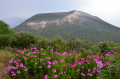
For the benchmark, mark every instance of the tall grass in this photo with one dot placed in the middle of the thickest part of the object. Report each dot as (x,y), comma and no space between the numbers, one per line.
(4,58)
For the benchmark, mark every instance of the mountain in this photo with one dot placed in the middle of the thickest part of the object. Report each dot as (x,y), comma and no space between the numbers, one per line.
(72,24)
(14,21)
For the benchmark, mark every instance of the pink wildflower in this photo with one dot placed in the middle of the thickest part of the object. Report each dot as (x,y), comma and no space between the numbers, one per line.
(54,70)
(82,74)
(99,64)
(25,69)
(22,52)
(55,62)
(65,65)
(13,74)
(90,74)
(44,63)
(18,60)
(43,54)
(71,66)
(48,57)
(21,64)
(95,60)
(61,72)
(64,53)
(74,65)
(82,62)
(93,71)
(88,70)
(88,62)
(46,76)
(40,67)
(55,76)
(98,70)
(79,63)
(35,63)
(49,62)
(18,72)
(41,48)
(82,59)
(51,50)
(49,66)
(78,69)
(88,56)
(82,67)
(10,61)
(62,60)
(94,68)
(40,59)
(75,59)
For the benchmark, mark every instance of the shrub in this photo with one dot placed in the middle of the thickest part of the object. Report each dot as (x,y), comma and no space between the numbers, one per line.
(113,70)
(48,64)
(42,43)
(107,46)
(22,40)
(74,44)
(4,40)
(58,44)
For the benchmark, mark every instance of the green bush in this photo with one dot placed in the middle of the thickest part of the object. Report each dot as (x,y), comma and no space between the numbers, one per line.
(58,44)
(42,43)
(78,45)
(22,40)
(4,40)
(74,44)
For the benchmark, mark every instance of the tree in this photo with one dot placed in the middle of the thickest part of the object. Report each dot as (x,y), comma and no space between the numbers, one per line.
(4,28)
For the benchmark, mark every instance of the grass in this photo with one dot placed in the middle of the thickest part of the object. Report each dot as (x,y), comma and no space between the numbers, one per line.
(4,58)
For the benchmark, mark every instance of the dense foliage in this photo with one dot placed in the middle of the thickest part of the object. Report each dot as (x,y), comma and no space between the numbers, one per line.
(21,40)
(4,28)
(5,34)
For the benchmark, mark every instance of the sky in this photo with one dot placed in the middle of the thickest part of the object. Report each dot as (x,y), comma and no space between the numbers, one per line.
(107,10)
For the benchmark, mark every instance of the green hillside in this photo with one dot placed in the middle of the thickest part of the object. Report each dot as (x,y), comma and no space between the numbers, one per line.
(73,24)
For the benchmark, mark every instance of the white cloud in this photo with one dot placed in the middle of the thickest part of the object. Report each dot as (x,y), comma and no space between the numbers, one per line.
(108,10)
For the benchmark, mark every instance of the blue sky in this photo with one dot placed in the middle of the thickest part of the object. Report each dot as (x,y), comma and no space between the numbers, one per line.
(108,10)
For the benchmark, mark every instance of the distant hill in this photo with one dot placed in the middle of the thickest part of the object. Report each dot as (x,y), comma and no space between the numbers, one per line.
(15,21)
(73,24)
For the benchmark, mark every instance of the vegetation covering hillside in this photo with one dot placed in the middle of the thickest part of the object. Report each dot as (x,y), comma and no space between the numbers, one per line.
(24,56)
(67,25)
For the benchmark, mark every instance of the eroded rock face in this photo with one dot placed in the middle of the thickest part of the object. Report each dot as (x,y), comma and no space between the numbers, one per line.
(37,25)
(71,18)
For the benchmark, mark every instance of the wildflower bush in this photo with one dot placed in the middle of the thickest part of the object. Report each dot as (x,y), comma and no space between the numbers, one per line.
(107,46)
(113,70)
(49,65)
